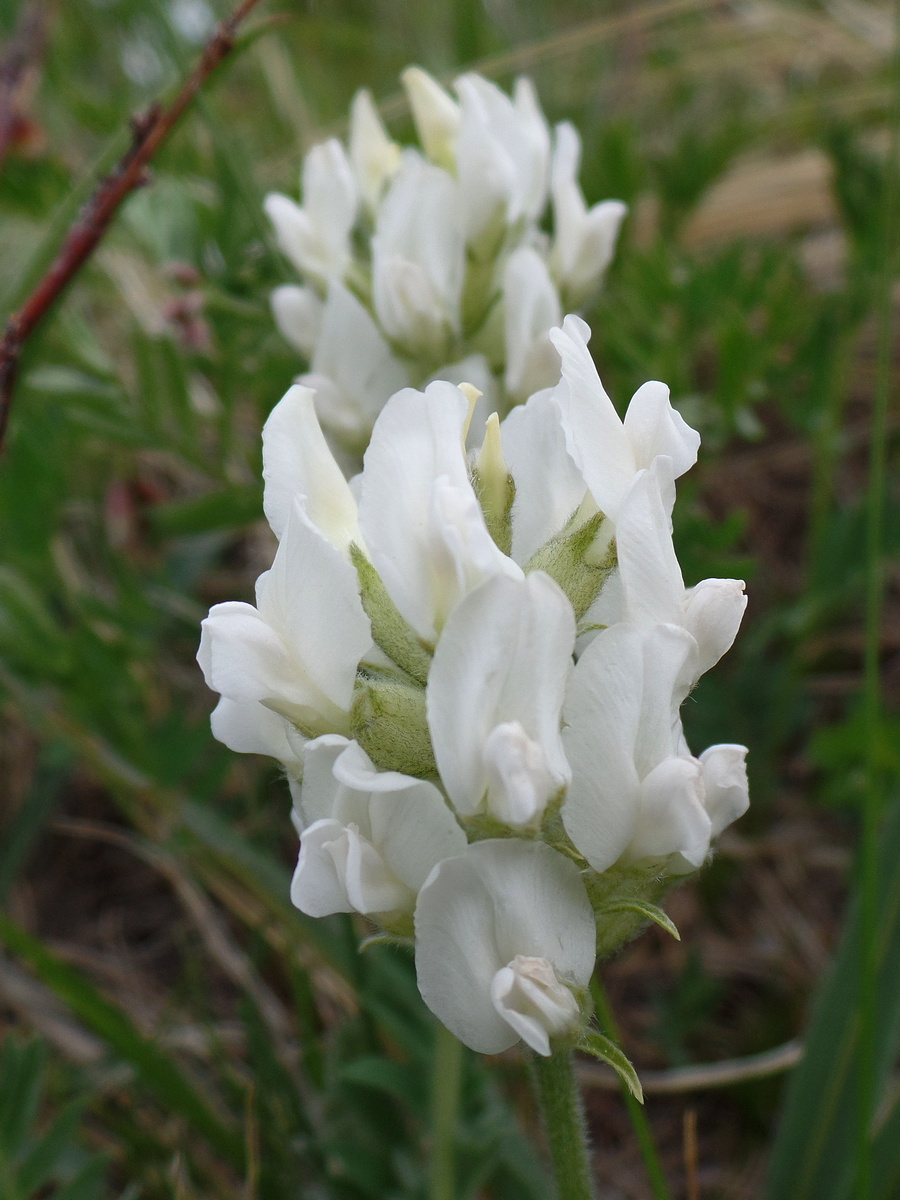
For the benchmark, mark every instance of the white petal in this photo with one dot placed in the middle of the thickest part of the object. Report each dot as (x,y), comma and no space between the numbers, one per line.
(355,358)
(549,486)
(532,309)
(504,656)
(673,819)
(317,888)
(319,790)
(374,156)
(371,885)
(477,912)
(250,728)
(297,463)
(435,113)
(601,721)
(244,658)
(530,998)
(310,596)
(670,659)
(417,259)
(519,781)
(712,613)
(655,427)
(725,779)
(421,521)
(298,315)
(296,237)
(651,577)
(595,437)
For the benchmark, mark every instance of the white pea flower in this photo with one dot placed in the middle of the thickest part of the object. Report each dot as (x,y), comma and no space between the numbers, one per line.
(653,590)
(423,526)
(353,372)
(316,237)
(248,727)
(444,248)
(584,239)
(505,945)
(417,260)
(531,309)
(636,791)
(368,838)
(502,155)
(298,315)
(494,698)
(436,114)
(374,156)
(297,651)
(607,450)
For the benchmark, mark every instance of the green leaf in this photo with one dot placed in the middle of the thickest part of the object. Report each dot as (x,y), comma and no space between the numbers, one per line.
(228,508)
(607,1051)
(643,909)
(400,1080)
(161,1074)
(812,1157)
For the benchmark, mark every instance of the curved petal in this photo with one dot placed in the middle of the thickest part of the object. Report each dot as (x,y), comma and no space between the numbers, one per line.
(504,658)
(601,719)
(317,888)
(436,115)
(477,912)
(423,527)
(297,464)
(650,574)
(374,156)
(655,427)
(310,596)
(531,307)
(713,611)
(672,817)
(319,789)
(248,727)
(298,315)
(549,486)
(595,437)
(725,781)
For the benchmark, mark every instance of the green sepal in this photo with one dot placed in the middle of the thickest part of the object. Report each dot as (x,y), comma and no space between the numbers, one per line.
(391,631)
(642,908)
(595,1043)
(619,897)
(497,509)
(387,718)
(566,559)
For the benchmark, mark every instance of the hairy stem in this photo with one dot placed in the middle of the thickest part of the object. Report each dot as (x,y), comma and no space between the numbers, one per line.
(564,1122)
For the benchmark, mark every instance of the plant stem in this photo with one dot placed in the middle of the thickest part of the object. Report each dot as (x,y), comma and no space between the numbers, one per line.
(868,1068)
(639,1122)
(445,1090)
(564,1122)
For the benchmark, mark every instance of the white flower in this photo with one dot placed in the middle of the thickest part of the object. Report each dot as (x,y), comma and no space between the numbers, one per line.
(417,260)
(297,651)
(316,237)
(436,114)
(636,791)
(353,372)
(584,239)
(423,527)
(298,315)
(494,698)
(531,309)
(248,727)
(505,944)
(653,590)
(502,155)
(369,838)
(607,450)
(374,156)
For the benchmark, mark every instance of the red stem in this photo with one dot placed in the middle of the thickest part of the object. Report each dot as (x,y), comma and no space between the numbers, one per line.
(149,131)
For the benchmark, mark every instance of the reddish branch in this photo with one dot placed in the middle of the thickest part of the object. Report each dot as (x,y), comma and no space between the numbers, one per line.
(17,69)
(148,132)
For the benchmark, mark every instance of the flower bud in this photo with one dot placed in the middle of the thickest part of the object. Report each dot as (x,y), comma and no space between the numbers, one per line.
(530,997)
(387,719)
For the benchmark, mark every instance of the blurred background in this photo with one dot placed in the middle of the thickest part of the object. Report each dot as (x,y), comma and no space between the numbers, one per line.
(173,1028)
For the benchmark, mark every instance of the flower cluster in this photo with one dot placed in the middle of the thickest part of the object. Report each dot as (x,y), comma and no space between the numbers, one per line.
(471,665)
(432,264)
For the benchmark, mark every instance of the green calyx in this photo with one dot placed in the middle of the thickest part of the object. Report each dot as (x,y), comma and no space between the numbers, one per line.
(390,631)
(387,718)
(494,486)
(625,900)
(571,559)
